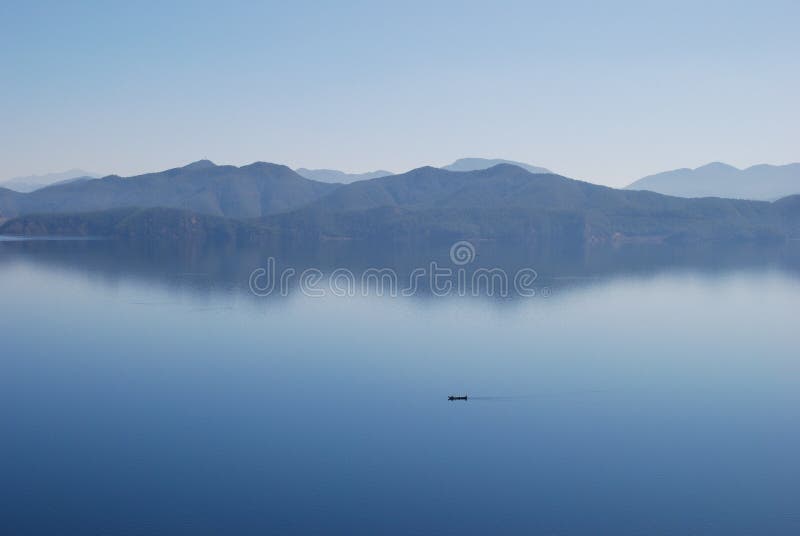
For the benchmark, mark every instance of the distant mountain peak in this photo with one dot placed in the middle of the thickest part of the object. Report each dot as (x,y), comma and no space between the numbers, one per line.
(200,164)
(265,166)
(424,169)
(717,166)
(504,166)
(474,164)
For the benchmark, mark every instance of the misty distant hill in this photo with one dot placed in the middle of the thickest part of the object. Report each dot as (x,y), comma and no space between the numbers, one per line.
(474,164)
(250,191)
(764,182)
(34,182)
(334,175)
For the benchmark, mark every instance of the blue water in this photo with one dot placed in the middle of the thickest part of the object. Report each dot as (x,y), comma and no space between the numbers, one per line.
(656,403)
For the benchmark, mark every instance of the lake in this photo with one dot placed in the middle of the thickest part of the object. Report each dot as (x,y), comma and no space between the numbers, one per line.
(147,390)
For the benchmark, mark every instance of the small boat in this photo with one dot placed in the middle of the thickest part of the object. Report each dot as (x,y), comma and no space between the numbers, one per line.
(454,397)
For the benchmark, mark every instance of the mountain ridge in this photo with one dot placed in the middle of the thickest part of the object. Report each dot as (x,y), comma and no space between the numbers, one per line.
(764,182)
(249,191)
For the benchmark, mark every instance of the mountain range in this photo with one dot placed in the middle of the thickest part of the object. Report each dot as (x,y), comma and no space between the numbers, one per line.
(761,182)
(505,202)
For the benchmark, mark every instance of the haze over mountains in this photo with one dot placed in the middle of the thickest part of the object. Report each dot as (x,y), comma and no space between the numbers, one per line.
(462,164)
(474,164)
(334,175)
(504,202)
(34,182)
(763,182)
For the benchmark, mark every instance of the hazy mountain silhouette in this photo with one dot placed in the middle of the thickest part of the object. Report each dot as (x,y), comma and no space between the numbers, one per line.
(462,164)
(334,175)
(34,182)
(473,164)
(763,182)
(249,191)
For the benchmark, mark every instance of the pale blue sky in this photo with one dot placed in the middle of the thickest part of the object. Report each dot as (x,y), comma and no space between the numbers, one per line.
(605,93)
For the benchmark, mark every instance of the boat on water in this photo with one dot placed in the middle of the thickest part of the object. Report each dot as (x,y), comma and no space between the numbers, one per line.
(455,397)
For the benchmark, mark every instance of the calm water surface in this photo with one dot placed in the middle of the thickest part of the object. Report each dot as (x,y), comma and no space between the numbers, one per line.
(163,398)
